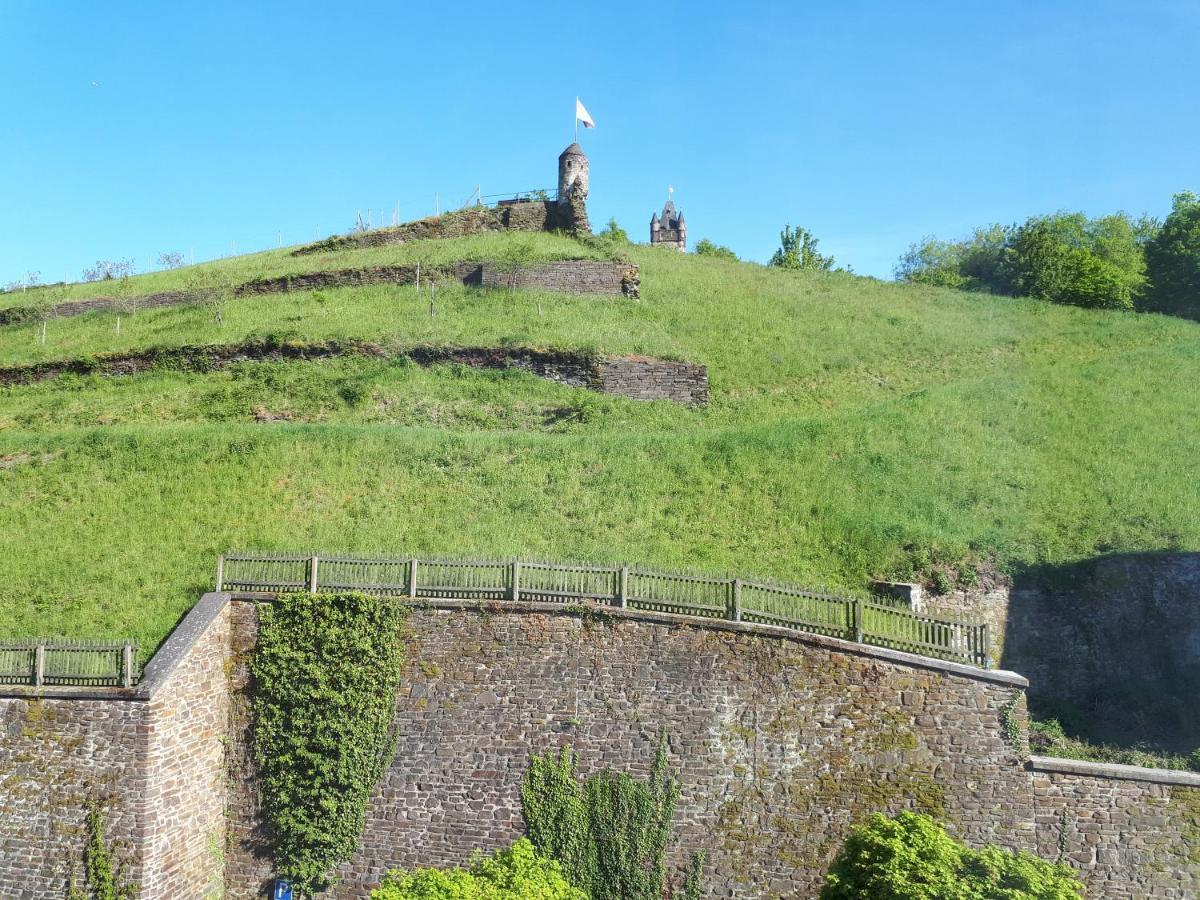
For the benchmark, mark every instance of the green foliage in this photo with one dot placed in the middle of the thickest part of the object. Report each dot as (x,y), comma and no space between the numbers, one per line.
(103,877)
(326,670)
(518,873)
(911,857)
(1049,738)
(1173,259)
(705,247)
(1065,258)
(798,250)
(611,832)
(613,233)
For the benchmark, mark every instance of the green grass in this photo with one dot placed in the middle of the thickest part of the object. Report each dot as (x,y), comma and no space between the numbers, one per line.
(273,263)
(857,429)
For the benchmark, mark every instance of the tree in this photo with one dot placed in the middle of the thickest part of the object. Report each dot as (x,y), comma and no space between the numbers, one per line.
(705,247)
(1056,258)
(172,260)
(798,250)
(911,857)
(1173,259)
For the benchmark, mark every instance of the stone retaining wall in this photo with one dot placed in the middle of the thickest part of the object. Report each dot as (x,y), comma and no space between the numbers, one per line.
(571,276)
(638,378)
(643,378)
(781,741)
(152,757)
(1131,833)
(527,215)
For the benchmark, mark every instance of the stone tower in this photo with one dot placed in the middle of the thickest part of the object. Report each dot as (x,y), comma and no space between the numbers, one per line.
(573,190)
(669,228)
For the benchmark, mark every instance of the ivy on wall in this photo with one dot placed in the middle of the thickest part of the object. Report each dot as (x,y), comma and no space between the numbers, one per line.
(326,670)
(103,874)
(610,832)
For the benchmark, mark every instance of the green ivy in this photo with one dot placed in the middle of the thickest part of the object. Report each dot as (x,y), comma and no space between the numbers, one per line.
(103,876)
(610,833)
(326,671)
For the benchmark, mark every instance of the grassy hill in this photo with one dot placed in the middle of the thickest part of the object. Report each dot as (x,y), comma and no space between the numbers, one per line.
(857,428)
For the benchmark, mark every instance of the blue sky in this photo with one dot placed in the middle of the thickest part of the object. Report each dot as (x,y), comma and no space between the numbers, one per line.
(869,123)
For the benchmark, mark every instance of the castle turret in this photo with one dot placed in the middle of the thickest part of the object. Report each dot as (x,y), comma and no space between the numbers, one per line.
(573,190)
(669,228)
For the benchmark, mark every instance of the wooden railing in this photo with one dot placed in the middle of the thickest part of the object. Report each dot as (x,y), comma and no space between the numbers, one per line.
(42,663)
(868,621)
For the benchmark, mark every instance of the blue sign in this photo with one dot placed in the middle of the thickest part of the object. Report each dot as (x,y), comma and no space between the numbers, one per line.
(283,890)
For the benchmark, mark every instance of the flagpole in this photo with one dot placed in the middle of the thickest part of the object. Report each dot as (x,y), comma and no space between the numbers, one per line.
(577,120)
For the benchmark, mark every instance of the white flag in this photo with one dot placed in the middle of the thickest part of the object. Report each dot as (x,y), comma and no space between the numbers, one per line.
(582,115)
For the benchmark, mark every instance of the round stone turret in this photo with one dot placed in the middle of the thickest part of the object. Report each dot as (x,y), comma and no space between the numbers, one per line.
(572,174)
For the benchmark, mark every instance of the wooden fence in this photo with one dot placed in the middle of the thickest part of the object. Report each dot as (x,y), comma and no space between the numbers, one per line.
(871,621)
(59,662)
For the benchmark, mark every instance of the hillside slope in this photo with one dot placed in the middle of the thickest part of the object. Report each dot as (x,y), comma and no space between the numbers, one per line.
(856,428)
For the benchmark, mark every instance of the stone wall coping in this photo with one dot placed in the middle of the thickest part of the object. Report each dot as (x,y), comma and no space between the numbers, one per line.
(994,676)
(1112,770)
(165,660)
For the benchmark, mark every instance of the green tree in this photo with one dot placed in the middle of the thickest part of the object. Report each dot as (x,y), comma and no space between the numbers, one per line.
(798,250)
(705,247)
(911,857)
(1173,259)
(518,873)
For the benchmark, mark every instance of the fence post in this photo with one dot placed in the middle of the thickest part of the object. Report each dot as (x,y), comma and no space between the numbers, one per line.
(858,619)
(39,665)
(312,575)
(735,607)
(516,580)
(221,572)
(127,666)
(623,588)
(412,578)
(985,640)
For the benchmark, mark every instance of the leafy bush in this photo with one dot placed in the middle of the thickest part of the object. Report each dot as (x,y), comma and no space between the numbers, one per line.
(1049,738)
(613,233)
(611,832)
(705,247)
(326,670)
(1065,258)
(1173,259)
(798,250)
(911,857)
(518,873)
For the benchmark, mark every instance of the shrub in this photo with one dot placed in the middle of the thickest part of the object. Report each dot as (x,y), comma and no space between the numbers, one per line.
(705,247)
(911,857)
(518,873)
(108,269)
(613,233)
(798,250)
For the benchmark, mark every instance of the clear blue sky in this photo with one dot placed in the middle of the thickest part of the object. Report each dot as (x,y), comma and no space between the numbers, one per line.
(130,129)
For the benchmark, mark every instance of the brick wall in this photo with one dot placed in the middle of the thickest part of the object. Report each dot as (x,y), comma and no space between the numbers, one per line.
(781,743)
(1131,833)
